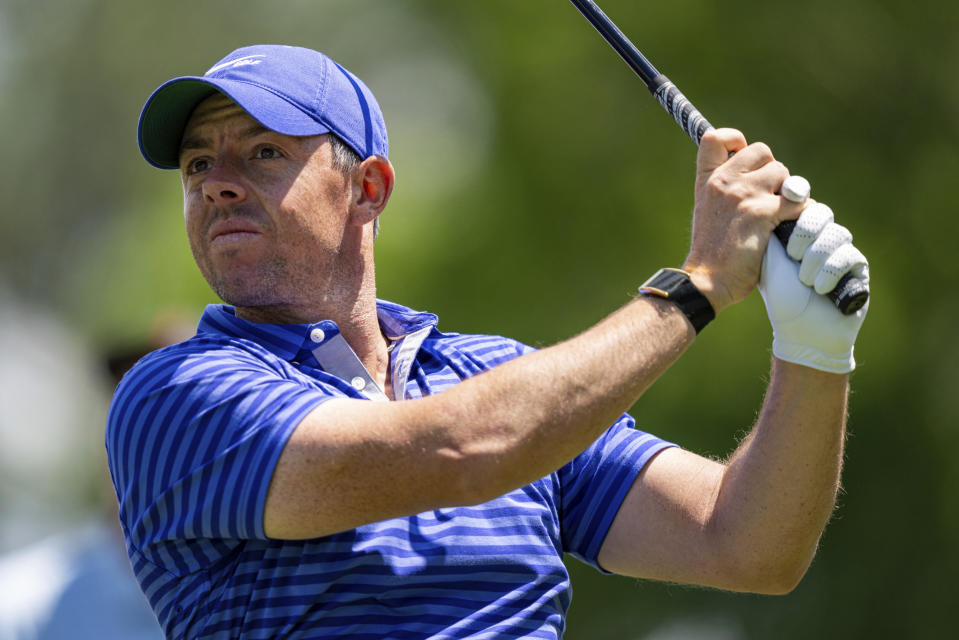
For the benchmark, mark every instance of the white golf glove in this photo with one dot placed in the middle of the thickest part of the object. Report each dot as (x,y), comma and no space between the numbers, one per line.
(808,329)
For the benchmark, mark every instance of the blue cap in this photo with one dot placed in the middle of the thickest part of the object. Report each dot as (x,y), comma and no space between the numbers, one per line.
(290,90)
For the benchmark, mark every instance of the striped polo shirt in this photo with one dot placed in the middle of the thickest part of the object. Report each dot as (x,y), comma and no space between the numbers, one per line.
(193,435)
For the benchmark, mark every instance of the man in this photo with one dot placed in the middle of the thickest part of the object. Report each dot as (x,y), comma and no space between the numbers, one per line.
(318,463)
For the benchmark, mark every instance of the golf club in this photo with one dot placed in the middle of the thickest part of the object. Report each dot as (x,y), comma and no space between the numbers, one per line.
(850,293)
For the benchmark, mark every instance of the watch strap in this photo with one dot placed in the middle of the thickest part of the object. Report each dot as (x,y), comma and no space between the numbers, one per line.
(674,285)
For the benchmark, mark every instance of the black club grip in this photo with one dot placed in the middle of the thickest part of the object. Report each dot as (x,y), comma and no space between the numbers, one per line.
(677,105)
(849,294)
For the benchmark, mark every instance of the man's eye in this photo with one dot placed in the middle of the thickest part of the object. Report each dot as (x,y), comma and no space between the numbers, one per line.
(198,165)
(267,153)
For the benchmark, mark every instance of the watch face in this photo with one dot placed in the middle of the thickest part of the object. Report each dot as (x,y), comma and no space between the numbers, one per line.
(664,282)
(675,286)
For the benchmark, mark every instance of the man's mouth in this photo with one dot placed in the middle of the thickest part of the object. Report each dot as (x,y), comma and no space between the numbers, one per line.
(232,231)
(232,237)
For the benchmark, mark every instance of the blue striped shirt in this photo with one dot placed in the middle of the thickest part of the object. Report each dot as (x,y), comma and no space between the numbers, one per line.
(194,433)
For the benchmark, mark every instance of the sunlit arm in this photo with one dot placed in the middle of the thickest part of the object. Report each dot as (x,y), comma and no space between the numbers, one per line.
(753,523)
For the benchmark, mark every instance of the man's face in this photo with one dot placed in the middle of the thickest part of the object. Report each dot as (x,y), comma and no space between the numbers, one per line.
(265,212)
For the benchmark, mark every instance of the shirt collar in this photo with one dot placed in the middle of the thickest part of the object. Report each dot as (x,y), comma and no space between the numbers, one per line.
(287,340)
(398,321)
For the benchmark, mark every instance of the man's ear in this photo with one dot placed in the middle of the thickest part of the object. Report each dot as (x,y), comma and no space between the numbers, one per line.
(372,185)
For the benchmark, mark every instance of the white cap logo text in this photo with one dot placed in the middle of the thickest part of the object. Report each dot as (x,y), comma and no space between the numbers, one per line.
(239,62)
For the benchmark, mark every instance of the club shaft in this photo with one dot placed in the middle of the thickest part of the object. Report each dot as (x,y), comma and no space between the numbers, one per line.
(618,41)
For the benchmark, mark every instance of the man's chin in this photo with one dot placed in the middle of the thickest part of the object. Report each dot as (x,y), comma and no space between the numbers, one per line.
(247,287)
(243,295)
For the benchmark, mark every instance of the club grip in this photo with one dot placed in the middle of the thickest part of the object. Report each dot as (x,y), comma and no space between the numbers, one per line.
(677,105)
(849,294)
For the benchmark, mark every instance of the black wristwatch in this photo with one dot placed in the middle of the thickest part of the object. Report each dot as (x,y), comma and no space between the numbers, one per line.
(674,285)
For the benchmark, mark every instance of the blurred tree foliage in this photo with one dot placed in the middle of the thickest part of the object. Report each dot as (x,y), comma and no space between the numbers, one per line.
(538,184)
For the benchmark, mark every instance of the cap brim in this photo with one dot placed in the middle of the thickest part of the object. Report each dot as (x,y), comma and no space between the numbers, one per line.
(168,109)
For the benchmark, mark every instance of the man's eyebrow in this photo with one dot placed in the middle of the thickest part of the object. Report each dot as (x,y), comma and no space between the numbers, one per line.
(201,142)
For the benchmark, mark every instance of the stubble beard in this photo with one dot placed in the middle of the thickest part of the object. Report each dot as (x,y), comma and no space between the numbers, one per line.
(277,288)
(257,286)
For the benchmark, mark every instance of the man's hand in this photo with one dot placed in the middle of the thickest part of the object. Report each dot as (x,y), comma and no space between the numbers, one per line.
(807,328)
(737,207)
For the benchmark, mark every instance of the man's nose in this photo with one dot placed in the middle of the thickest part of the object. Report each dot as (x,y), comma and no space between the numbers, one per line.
(223,186)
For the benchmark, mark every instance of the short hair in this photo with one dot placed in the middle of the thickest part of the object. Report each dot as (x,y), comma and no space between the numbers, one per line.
(345,159)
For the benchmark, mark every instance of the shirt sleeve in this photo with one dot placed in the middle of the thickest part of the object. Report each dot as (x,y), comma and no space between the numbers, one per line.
(193,436)
(595,483)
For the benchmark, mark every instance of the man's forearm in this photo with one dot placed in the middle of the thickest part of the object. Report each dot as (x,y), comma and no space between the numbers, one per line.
(534,414)
(780,486)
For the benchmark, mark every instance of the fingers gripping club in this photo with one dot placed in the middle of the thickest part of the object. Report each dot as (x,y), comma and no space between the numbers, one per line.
(851,293)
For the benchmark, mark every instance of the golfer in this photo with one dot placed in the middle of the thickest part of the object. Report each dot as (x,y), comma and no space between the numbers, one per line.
(316,462)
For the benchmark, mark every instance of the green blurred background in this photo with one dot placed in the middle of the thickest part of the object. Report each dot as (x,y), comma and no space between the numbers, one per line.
(538,184)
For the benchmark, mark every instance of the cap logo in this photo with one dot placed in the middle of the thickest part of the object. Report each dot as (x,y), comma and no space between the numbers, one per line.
(239,62)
